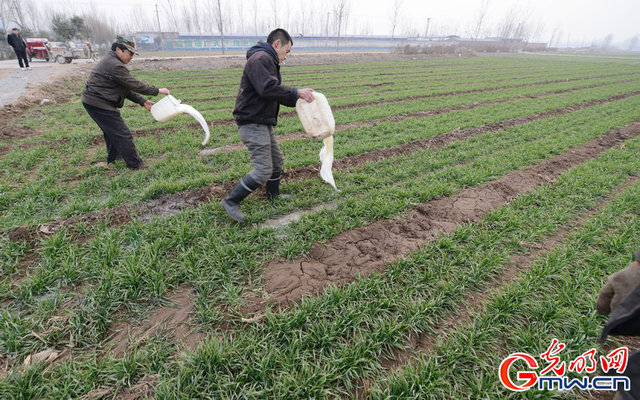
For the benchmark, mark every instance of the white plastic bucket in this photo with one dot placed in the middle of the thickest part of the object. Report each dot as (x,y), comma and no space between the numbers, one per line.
(169,107)
(316,117)
(166,109)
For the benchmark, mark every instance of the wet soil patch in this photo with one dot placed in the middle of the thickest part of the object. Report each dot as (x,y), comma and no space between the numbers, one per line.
(475,301)
(370,248)
(173,319)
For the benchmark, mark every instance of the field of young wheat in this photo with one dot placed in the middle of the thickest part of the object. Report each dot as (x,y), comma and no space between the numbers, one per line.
(483,202)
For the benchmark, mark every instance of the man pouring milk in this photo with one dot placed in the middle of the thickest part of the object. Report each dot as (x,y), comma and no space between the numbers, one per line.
(256,113)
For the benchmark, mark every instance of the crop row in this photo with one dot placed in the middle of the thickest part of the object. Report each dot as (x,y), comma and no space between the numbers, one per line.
(39,200)
(327,345)
(133,267)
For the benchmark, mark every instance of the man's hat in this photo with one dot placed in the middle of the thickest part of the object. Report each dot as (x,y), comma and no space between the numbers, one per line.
(128,43)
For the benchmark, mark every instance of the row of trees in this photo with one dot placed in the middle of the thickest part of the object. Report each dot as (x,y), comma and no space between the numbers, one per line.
(33,21)
(254,17)
(246,17)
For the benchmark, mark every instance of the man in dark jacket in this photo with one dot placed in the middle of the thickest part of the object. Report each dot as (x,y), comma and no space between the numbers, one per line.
(109,84)
(256,113)
(20,47)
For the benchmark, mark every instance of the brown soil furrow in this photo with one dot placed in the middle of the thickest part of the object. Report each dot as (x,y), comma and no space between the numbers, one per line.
(370,248)
(474,302)
(173,203)
(174,319)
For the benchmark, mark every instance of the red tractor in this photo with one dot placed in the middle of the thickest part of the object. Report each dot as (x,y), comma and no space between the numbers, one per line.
(38,48)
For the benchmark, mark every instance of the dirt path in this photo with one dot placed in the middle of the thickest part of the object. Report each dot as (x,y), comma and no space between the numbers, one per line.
(16,83)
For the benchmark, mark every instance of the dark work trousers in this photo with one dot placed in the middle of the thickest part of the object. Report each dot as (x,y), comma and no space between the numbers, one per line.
(22,55)
(117,136)
(265,154)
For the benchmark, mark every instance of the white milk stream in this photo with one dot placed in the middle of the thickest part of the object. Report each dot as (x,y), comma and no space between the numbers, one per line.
(317,120)
(169,107)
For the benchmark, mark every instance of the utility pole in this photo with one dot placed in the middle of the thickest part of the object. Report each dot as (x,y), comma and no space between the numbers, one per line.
(159,29)
(426,35)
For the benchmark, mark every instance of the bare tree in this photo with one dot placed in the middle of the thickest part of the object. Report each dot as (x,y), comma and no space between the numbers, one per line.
(186,18)
(172,14)
(240,7)
(394,12)
(633,42)
(196,13)
(557,32)
(606,43)
(303,17)
(341,14)
(17,14)
(220,22)
(274,7)
(4,14)
(101,31)
(482,12)
(255,16)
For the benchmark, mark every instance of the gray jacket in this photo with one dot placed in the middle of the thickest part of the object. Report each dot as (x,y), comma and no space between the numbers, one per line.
(111,82)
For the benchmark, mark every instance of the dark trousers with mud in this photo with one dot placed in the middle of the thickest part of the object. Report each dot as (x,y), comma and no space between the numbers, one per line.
(265,154)
(22,56)
(117,136)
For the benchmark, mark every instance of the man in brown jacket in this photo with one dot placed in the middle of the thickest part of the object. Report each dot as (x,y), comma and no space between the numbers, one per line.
(109,84)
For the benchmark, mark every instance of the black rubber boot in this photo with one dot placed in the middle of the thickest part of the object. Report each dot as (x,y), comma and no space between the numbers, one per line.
(231,204)
(273,189)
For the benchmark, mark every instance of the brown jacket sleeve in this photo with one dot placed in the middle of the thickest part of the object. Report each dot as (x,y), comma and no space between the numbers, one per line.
(122,76)
(603,305)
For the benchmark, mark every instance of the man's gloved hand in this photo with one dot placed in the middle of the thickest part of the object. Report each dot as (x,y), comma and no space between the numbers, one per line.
(618,286)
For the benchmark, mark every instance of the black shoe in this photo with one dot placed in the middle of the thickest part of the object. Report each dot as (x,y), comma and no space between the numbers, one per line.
(273,190)
(233,210)
(281,196)
(139,166)
(231,204)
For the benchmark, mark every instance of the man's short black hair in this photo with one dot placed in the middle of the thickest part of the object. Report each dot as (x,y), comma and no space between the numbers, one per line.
(15,29)
(281,34)
(120,46)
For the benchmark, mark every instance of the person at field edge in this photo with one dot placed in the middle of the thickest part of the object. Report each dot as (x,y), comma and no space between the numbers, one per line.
(618,286)
(109,83)
(256,113)
(19,47)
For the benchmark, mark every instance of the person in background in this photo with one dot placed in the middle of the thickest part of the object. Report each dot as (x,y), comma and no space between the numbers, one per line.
(256,113)
(109,84)
(19,47)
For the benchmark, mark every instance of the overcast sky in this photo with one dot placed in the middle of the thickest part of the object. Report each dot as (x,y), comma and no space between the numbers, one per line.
(577,21)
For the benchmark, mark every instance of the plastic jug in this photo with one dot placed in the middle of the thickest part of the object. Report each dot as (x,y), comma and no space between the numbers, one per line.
(169,107)
(316,117)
